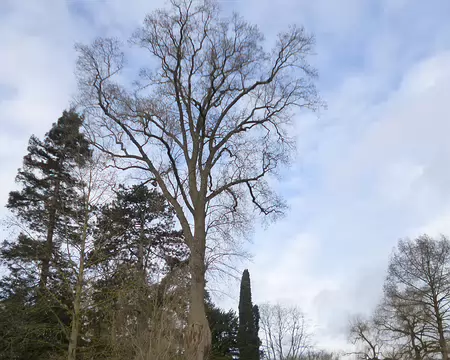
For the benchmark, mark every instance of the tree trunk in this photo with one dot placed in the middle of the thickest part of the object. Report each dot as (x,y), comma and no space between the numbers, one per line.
(440,329)
(76,317)
(141,282)
(45,270)
(414,346)
(198,335)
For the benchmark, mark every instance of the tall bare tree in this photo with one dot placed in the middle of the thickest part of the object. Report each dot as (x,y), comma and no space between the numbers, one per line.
(285,332)
(206,126)
(419,276)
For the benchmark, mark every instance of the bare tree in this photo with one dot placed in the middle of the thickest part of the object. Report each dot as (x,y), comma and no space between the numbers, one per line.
(419,276)
(94,186)
(314,354)
(365,335)
(206,126)
(401,325)
(285,332)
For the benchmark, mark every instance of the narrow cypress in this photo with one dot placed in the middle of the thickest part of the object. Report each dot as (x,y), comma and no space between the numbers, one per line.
(248,339)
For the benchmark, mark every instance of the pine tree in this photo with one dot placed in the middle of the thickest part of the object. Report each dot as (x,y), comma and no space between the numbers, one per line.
(39,278)
(45,200)
(248,339)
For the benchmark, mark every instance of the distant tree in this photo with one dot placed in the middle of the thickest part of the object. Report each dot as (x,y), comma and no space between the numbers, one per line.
(248,338)
(285,332)
(314,354)
(137,228)
(419,278)
(46,197)
(401,326)
(366,336)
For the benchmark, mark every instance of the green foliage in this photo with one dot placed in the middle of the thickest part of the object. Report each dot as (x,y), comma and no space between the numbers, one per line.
(248,339)
(134,243)
(224,328)
(35,294)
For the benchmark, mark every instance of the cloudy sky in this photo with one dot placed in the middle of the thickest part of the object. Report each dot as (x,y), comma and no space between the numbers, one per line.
(372,168)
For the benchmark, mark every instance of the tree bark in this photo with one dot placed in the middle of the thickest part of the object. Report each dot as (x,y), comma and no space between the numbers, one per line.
(440,329)
(45,270)
(198,335)
(416,350)
(141,281)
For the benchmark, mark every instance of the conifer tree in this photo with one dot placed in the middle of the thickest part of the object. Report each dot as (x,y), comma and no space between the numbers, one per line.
(248,339)
(224,328)
(135,247)
(45,201)
(38,280)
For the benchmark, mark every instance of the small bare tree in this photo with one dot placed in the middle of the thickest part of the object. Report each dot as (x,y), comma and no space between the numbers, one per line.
(366,336)
(285,332)
(207,126)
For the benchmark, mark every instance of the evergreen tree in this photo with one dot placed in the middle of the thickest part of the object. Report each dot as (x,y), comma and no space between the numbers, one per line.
(135,246)
(256,318)
(137,229)
(46,198)
(38,280)
(224,328)
(248,339)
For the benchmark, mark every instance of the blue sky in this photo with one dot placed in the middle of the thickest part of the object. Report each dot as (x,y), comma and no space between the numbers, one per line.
(371,168)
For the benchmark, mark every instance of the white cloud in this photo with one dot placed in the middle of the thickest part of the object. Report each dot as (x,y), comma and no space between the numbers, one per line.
(382,173)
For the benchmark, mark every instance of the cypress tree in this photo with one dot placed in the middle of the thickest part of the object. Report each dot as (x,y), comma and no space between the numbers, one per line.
(248,339)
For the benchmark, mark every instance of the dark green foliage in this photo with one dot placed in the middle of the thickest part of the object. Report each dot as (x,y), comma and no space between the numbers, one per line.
(137,229)
(44,204)
(35,295)
(248,339)
(224,328)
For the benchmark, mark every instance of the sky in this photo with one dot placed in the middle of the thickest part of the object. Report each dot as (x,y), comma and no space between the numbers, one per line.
(371,168)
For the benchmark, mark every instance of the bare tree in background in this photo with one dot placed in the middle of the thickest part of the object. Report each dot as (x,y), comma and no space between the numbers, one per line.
(206,126)
(419,276)
(401,324)
(314,354)
(285,332)
(364,334)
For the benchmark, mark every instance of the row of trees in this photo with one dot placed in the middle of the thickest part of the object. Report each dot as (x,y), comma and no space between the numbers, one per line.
(269,331)
(413,319)
(91,262)
(96,269)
